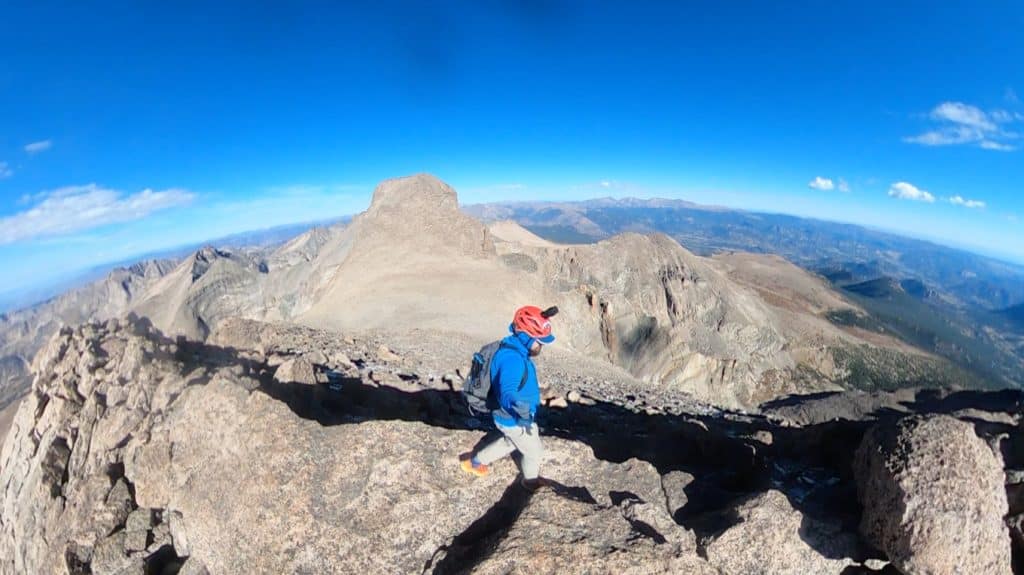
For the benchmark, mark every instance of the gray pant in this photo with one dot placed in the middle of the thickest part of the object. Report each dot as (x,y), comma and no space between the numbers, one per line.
(516,438)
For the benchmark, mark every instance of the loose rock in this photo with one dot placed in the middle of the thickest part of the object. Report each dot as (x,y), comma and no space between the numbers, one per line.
(296,370)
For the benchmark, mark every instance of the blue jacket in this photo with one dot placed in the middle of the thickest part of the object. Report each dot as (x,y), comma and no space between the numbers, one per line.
(516,406)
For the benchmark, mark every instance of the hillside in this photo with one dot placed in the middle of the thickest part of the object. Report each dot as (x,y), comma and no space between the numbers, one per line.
(985,357)
(969,279)
(951,294)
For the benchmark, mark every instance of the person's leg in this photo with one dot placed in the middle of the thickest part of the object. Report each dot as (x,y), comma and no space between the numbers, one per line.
(527,441)
(496,449)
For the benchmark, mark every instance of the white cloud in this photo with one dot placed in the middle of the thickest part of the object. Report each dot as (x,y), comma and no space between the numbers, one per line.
(1011,96)
(1012,218)
(907,191)
(5,171)
(963,114)
(41,146)
(820,183)
(960,201)
(606,184)
(960,123)
(990,145)
(843,186)
(77,208)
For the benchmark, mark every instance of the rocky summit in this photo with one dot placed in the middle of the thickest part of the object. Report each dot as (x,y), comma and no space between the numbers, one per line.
(297,409)
(273,448)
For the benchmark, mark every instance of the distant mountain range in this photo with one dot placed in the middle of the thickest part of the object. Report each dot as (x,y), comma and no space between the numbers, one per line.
(255,239)
(826,247)
(959,305)
(731,330)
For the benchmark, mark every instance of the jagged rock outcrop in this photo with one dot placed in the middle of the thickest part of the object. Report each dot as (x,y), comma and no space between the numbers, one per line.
(668,317)
(67,502)
(209,286)
(138,453)
(933,497)
(24,332)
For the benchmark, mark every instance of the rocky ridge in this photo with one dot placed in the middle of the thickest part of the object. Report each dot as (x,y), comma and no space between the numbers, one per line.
(682,323)
(281,449)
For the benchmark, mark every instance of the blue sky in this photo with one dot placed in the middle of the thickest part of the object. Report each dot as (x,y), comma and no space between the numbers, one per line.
(147,125)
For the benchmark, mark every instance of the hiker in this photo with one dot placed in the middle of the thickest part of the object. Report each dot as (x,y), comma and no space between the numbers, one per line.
(514,394)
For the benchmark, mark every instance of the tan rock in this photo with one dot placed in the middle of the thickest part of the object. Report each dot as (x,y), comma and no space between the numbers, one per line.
(558,403)
(193,566)
(386,355)
(341,360)
(674,484)
(296,370)
(316,357)
(933,497)
(772,538)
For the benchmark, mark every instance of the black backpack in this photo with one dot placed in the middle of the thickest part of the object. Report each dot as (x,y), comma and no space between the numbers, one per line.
(477,388)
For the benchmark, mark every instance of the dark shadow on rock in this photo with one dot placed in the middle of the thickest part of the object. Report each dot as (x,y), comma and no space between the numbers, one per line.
(1016,526)
(620,497)
(791,400)
(858,570)
(942,401)
(476,543)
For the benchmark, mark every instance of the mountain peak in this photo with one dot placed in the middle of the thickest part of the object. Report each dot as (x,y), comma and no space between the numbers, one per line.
(419,194)
(421,214)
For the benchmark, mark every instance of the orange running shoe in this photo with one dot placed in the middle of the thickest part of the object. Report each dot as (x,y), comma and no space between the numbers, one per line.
(479,469)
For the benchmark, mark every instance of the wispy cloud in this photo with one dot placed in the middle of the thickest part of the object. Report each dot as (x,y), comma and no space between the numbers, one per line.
(77,208)
(843,186)
(1011,96)
(605,185)
(1012,218)
(820,183)
(962,124)
(960,201)
(36,147)
(5,170)
(990,145)
(908,191)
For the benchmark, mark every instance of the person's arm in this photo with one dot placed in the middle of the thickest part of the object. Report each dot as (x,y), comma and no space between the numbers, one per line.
(510,376)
